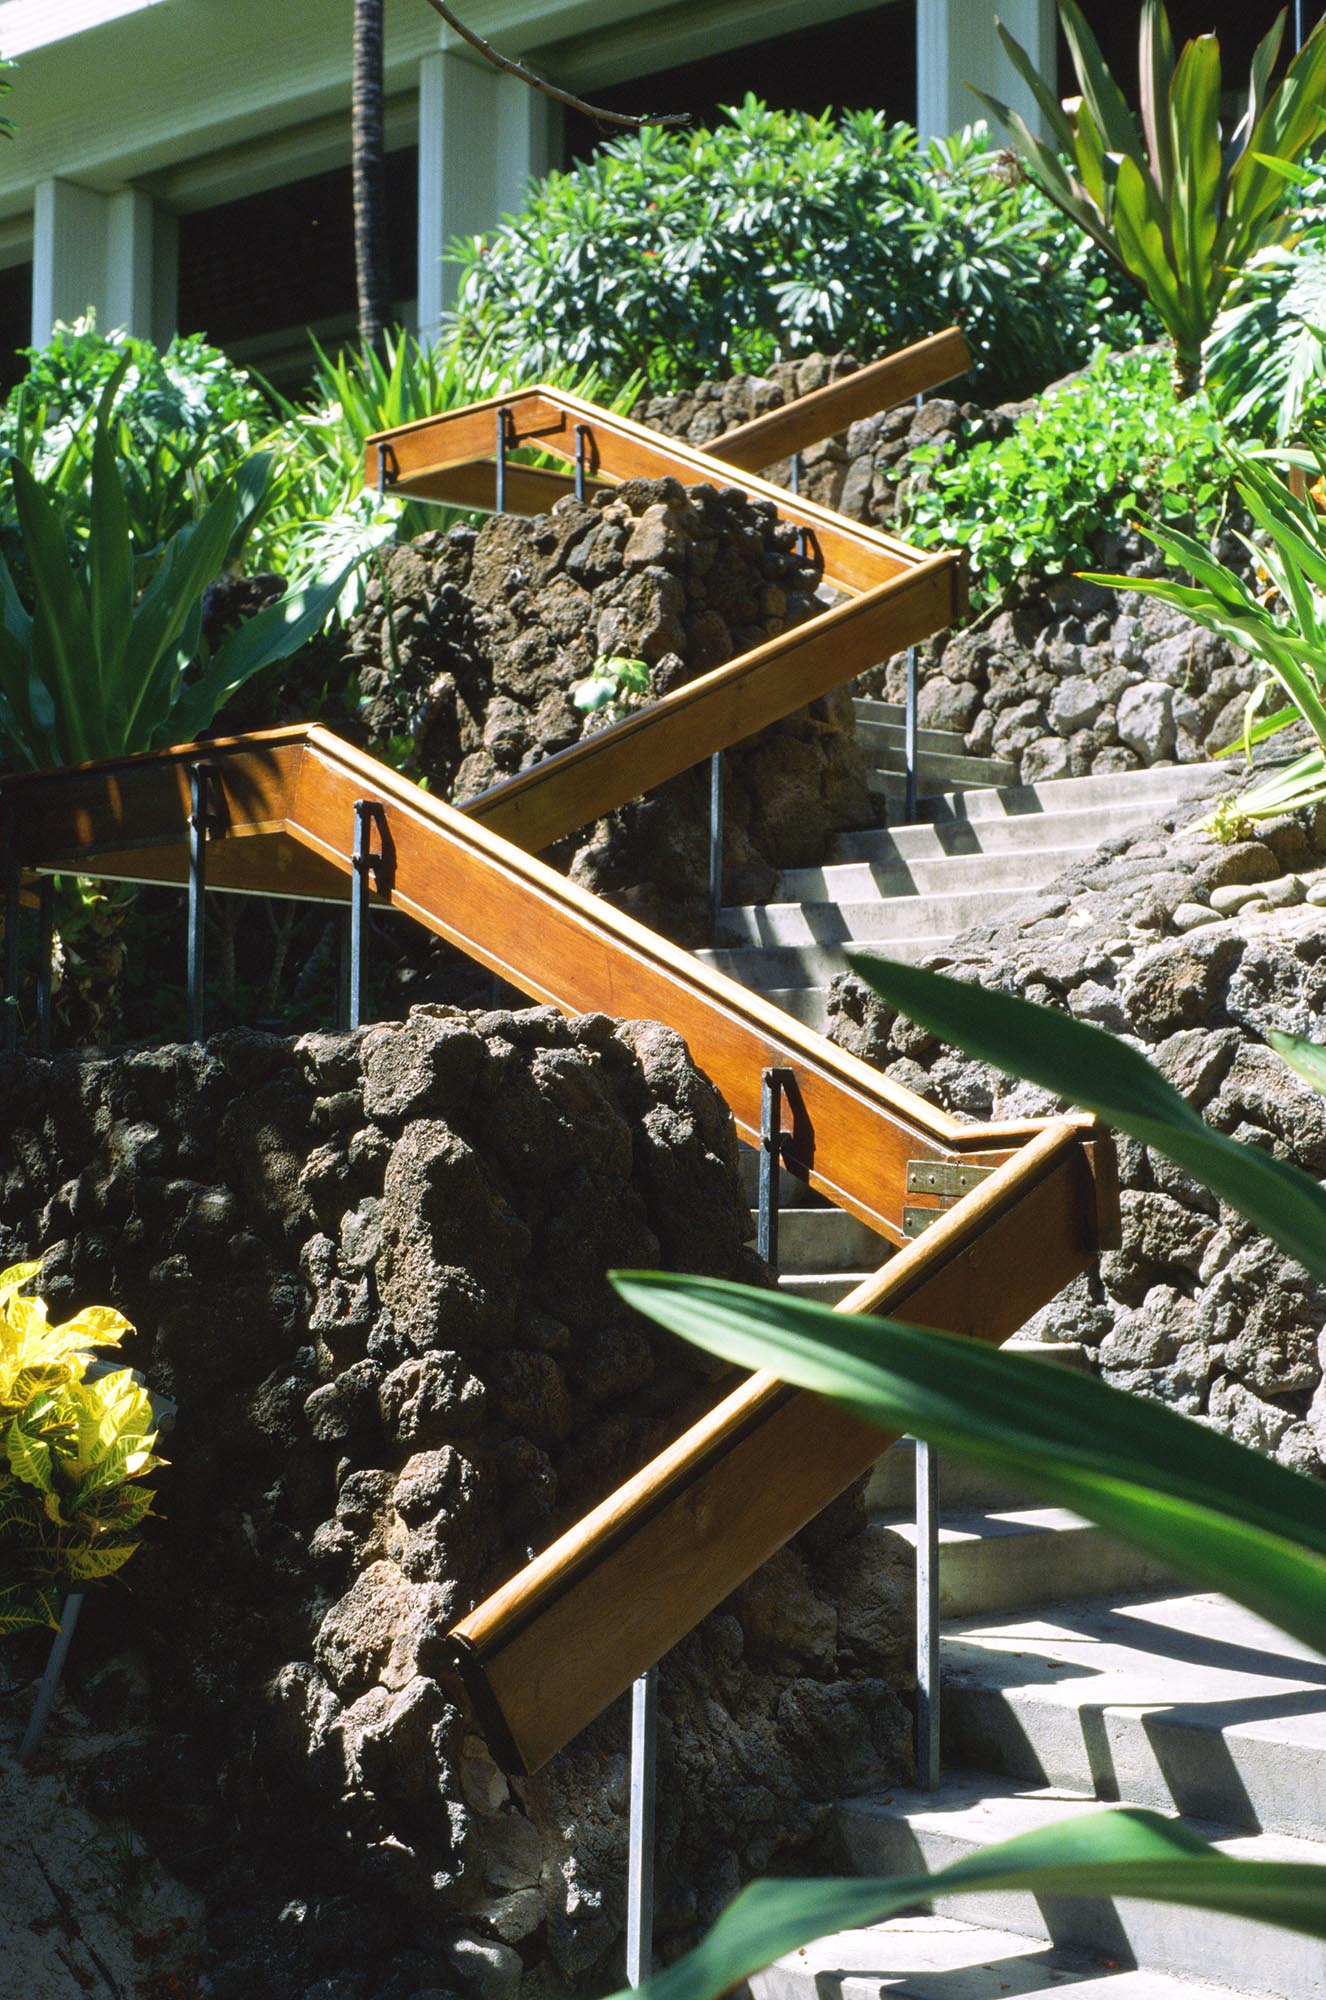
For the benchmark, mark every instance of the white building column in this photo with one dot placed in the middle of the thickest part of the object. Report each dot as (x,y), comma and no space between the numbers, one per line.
(482,138)
(114,253)
(956,44)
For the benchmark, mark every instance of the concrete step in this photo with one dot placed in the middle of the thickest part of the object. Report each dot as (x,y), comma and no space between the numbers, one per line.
(1009,833)
(892,1488)
(907,1833)
(936,776)
(811,1240)
(1159,785)
(826,1288)
(1183,1701)
(957,908)
(1019,868)
(941,1958)
(995,1559)
(885,722)
(780,970)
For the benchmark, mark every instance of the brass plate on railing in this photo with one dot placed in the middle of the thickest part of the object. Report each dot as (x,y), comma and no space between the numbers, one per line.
(949,1179)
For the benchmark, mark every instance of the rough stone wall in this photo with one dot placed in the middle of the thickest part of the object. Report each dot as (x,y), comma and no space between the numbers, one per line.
(469,645)
(1194,950)
(369,1270)
(1064,678)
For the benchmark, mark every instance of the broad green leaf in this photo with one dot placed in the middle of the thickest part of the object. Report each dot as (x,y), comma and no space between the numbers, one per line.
(29,1459)
(1108,105)
(1188,1495)
(62,628)
(1155,64)
(1105,1854)
(1307,1058)
(272,634)
(1195,138)
(1104,1075)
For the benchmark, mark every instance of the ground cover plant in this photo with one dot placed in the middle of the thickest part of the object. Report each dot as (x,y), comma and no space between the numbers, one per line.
(1107,446)
(1266,358)
(716,252)
(1216,1510)
(1164,194)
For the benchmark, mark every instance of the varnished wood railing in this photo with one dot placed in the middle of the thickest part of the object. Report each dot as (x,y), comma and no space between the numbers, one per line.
(287,801)
(554,1645)
(825,412)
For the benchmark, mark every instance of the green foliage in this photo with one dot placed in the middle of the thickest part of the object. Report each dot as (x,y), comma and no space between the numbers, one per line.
(1107,447)
(323,513)
(70,1450)
(1174,205)
(1266,358)
(1189,1495)
(99,662)
(689,255)
(1284,627)
(615,686)
(184,419)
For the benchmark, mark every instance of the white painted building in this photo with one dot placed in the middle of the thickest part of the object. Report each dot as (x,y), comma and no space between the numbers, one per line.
(185,162)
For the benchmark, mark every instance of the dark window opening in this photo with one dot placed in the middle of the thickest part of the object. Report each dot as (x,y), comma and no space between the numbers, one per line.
(256,275)
(15,323)
(866,62)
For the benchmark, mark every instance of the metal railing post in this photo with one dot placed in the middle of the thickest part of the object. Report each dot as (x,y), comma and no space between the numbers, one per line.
(202,822)
(715,844)
(45,963)
(774,1085)
(13,919)
(640,1835)
(927,1617)
(50,1680)
(500,460)
(368,871)
(909,732)
(582,435)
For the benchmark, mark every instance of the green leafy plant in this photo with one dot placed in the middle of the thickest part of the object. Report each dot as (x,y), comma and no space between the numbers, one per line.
(1266,358)
(71,1452)
(615,686)
(1174,206)
(1282,624)
(100,664)
(184,420)
(1214,1509)
(1107,446)
(687,255)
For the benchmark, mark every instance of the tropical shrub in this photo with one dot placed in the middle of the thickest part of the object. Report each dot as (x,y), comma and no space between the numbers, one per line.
(1266,358)
(71,1452)
(99,662)
(1106,447)
(687,255)
(1175,206)
(1215,1510)
(1279,617)
(184,419)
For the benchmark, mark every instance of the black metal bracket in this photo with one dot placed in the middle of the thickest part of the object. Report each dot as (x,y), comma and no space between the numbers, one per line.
(775,1085)
(505,440)
(388,469)
(584,438)
(370,870)
(207,821)
(715,844)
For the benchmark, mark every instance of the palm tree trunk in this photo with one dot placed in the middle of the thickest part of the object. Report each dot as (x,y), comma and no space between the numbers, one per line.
(370,175)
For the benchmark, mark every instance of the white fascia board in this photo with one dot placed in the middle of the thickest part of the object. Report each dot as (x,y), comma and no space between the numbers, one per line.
(668,36)
(28,25)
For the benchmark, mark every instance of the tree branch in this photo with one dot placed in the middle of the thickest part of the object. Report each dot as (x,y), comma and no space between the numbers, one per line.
(594,111)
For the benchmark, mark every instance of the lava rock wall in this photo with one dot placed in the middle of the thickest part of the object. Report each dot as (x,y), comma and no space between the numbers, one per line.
(1193,950)
(369,1271)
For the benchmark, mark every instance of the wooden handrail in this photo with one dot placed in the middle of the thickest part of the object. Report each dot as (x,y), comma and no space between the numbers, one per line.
(825,412)
(852,1131)
(646,1564)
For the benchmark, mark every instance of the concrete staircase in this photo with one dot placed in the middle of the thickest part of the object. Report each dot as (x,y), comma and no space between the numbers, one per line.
(979,845)
(1053,1701)
(1076,1670)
